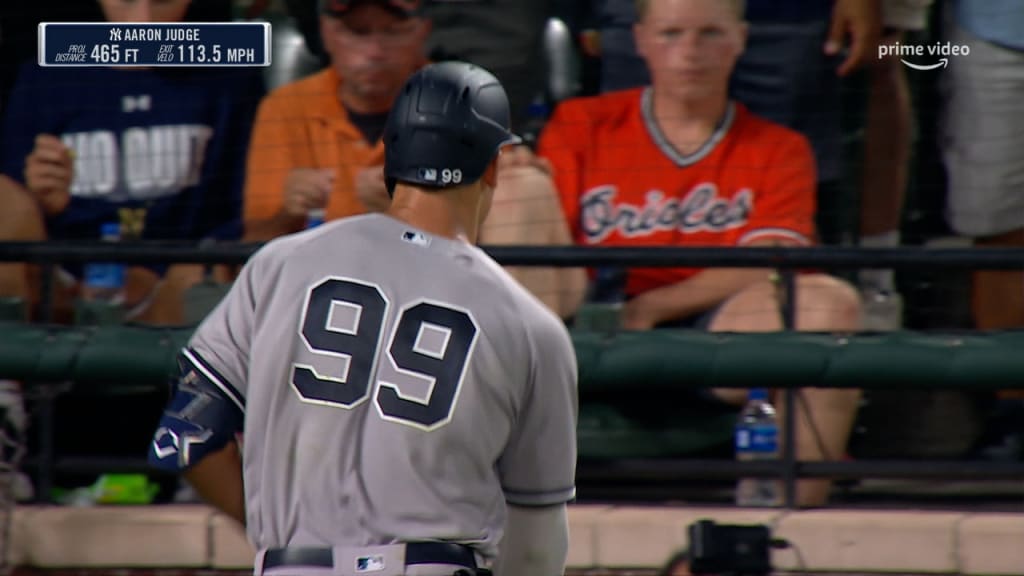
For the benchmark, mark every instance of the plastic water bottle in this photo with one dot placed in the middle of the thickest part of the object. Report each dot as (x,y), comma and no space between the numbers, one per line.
(536,117)
(757,438)
(883,310)
(104,281)
(315,217)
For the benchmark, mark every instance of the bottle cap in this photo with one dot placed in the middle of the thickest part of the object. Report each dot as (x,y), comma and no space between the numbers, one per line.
(537,109)
(758,394)
(110,229)
(315,217)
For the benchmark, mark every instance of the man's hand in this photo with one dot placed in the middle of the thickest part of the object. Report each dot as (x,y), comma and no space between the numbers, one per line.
(516,156)
(370,189)
(306,189)
(861,20)
(48,173)
(590,43)
(639,314)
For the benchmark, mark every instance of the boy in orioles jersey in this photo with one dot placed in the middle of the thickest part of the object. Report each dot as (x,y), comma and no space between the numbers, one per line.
(679,164)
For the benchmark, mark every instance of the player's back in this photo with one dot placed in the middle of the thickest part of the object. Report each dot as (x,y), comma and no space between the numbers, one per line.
(389,372)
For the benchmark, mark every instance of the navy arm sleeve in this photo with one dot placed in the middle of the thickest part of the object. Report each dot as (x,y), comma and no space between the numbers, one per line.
(201,417)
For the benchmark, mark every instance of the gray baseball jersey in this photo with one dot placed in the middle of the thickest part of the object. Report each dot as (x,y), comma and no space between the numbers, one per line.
(396,386)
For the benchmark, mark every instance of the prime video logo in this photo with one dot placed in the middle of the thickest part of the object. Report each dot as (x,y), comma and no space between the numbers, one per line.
(937,50)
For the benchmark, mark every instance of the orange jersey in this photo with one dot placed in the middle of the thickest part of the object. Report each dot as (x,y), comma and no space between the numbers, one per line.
(303,125)
(622,183)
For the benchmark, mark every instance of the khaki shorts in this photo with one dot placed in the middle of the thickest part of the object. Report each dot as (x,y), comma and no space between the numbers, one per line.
(983,136)
(905,14)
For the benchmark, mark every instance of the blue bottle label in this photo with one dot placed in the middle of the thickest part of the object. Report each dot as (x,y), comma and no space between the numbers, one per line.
(104,275)
(761,439)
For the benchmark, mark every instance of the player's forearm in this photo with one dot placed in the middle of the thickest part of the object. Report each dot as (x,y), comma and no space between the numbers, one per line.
(536,542)
(217,479)
(699,293)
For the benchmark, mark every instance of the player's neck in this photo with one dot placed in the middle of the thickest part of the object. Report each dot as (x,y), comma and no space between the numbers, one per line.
(440,214)
(688,123)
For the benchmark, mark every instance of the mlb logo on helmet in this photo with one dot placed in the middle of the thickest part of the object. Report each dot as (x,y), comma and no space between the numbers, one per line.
(428,174)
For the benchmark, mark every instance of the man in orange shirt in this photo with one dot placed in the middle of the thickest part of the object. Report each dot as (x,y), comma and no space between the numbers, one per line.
(677,163)
(316,145)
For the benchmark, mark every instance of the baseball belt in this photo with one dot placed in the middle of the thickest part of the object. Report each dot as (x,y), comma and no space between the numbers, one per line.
(415,553)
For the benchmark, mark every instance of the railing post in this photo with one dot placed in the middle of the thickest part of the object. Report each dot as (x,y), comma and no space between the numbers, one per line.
(46,289)
(45,396)
(787,308)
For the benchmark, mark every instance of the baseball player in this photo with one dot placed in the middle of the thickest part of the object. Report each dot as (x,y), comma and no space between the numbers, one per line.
(406,407)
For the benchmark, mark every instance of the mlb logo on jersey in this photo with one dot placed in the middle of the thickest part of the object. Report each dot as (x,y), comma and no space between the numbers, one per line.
(369,563)
(417,238)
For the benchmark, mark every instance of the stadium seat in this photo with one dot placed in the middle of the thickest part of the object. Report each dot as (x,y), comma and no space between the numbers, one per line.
(89,313)
(13,310)
(563,62)
(292,60)
(202,298)
(605,432)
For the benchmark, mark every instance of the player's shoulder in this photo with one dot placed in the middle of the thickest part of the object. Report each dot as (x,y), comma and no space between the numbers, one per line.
(276,254)
(535,319)
(282,247)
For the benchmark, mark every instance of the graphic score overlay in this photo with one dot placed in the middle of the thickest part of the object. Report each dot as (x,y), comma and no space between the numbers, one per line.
(150,44)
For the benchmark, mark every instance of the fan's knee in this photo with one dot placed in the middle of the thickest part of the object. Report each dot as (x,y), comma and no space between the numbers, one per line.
(20,218)
(826,303)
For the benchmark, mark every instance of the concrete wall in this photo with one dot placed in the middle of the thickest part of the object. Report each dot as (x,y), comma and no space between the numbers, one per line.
(603,537)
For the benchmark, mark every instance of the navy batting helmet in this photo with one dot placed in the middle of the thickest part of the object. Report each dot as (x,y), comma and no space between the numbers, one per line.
(446,126)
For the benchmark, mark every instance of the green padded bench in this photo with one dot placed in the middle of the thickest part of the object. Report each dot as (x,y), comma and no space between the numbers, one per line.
(633,386)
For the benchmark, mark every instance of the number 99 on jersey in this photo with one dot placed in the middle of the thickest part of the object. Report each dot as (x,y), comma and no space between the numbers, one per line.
(155,44)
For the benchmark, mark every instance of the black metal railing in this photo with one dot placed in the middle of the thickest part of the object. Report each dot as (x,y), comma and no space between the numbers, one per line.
(826,257)
(787,260)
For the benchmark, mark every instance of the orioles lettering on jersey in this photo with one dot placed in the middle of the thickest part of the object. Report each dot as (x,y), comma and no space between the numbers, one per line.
(141,163)
(701,209)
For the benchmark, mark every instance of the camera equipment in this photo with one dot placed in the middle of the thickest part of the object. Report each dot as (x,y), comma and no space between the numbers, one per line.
(729,549)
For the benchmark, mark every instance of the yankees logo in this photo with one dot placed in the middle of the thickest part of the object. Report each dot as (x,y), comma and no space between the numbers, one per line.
(701,210)
(141,103)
